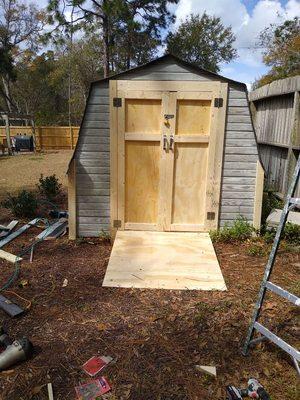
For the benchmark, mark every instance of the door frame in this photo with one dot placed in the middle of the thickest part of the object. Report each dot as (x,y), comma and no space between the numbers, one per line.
(216,142)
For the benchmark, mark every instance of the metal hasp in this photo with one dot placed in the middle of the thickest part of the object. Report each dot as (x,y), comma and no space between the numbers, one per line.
(267,285)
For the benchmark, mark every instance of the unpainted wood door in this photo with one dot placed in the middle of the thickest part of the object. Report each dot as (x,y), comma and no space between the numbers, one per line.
(169,154)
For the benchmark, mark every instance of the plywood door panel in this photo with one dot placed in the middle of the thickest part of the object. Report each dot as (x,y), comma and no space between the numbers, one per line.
(189,184)
(193,117)
(143,116)
(139,159)
(142,161)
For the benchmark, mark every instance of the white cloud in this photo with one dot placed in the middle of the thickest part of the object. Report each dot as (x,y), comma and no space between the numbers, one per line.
(246,26)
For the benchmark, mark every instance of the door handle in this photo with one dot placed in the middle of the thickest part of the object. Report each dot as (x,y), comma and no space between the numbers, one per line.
(172,142)
(165,142)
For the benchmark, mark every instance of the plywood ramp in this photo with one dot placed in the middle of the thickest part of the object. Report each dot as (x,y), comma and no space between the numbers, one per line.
(164,260)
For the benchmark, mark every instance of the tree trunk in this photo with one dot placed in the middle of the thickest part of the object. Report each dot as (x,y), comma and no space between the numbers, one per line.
(105,47)
(7,96)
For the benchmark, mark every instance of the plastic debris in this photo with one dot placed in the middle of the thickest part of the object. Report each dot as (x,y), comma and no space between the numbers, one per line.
(96,364)
(208,369)
(91,390)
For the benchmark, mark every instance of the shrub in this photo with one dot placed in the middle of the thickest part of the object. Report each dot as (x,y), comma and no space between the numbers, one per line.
(257,250)
(292,233)
(49,186)
(24,205)
(240,231)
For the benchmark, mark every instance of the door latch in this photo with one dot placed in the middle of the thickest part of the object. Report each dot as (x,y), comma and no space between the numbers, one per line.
(171,142)
(165,142)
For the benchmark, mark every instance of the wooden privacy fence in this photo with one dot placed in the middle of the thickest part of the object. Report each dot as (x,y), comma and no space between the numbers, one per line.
(47,137)
(276,115)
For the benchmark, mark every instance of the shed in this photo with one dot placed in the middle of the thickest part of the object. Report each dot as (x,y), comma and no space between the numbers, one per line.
(166,146)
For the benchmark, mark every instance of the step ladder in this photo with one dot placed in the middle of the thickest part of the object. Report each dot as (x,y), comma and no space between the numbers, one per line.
(291,203)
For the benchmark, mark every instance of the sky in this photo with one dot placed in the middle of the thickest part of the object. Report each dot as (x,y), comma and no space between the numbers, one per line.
(247,19)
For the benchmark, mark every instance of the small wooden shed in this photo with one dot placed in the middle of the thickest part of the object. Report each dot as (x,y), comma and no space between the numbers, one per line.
(166,146)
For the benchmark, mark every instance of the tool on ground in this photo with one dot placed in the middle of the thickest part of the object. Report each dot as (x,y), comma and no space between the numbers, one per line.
(291,202)
(15,351)
(254,391)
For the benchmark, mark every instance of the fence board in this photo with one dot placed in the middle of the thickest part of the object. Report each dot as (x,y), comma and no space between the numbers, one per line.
(47,137)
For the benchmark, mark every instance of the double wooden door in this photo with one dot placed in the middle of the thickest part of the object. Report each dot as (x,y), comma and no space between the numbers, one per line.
(167,146)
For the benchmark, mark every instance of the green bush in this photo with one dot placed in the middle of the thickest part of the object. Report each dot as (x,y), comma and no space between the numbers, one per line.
(292,233)
(240,231)
(49,186)
(24,205)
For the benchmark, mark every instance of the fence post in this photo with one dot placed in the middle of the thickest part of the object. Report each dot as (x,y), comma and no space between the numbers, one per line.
(71,138)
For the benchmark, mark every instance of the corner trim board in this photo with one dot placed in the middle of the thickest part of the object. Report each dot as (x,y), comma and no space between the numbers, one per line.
(72,204)
(259,188)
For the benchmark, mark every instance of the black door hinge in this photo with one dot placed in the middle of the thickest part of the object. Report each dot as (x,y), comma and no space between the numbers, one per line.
(117,223)
(218,102)
(211,216)
(117,102)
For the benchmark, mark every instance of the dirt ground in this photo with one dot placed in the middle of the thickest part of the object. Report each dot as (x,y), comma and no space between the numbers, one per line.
(24,170)
(156,337)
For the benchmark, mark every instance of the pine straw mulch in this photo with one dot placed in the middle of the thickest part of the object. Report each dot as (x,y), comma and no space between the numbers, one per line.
(156,337)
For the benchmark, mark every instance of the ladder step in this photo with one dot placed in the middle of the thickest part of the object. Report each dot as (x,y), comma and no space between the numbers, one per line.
(283,293)
(279,342)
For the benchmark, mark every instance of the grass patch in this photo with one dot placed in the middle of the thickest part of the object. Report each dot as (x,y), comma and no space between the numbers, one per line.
(36,158)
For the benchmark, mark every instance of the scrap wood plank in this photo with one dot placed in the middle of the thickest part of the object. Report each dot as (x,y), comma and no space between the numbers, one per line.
(9,257)
(17,233)
(7,229)
(9,307)
(54,230)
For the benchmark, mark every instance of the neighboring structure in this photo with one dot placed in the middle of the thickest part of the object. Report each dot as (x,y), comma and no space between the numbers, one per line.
(276,116)
(166,146)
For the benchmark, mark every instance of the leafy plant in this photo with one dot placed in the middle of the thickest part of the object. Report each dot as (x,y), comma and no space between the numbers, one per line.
(240,231)
(105,236)
(256,250)
(49,186)
(292,233)
(23,205)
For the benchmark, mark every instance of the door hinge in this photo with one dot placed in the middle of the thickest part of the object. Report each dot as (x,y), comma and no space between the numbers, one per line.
(218,102)
(117,102)
(117,223)
(211,216)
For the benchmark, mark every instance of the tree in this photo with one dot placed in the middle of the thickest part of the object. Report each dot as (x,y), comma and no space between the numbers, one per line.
(115,19)
(282,50)
(20,25)
(204,41)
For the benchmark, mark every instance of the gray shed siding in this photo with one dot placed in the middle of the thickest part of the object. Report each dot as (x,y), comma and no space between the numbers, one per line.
(92,164)
(92,153)
(240,160)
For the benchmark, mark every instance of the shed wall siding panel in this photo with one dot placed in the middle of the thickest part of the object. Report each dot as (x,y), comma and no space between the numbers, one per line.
(92,154)
(240,160)
(92,165)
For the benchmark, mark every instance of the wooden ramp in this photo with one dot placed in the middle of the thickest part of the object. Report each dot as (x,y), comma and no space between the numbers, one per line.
(164,260)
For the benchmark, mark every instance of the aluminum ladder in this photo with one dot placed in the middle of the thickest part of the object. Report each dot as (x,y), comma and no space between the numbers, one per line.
(291,202)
